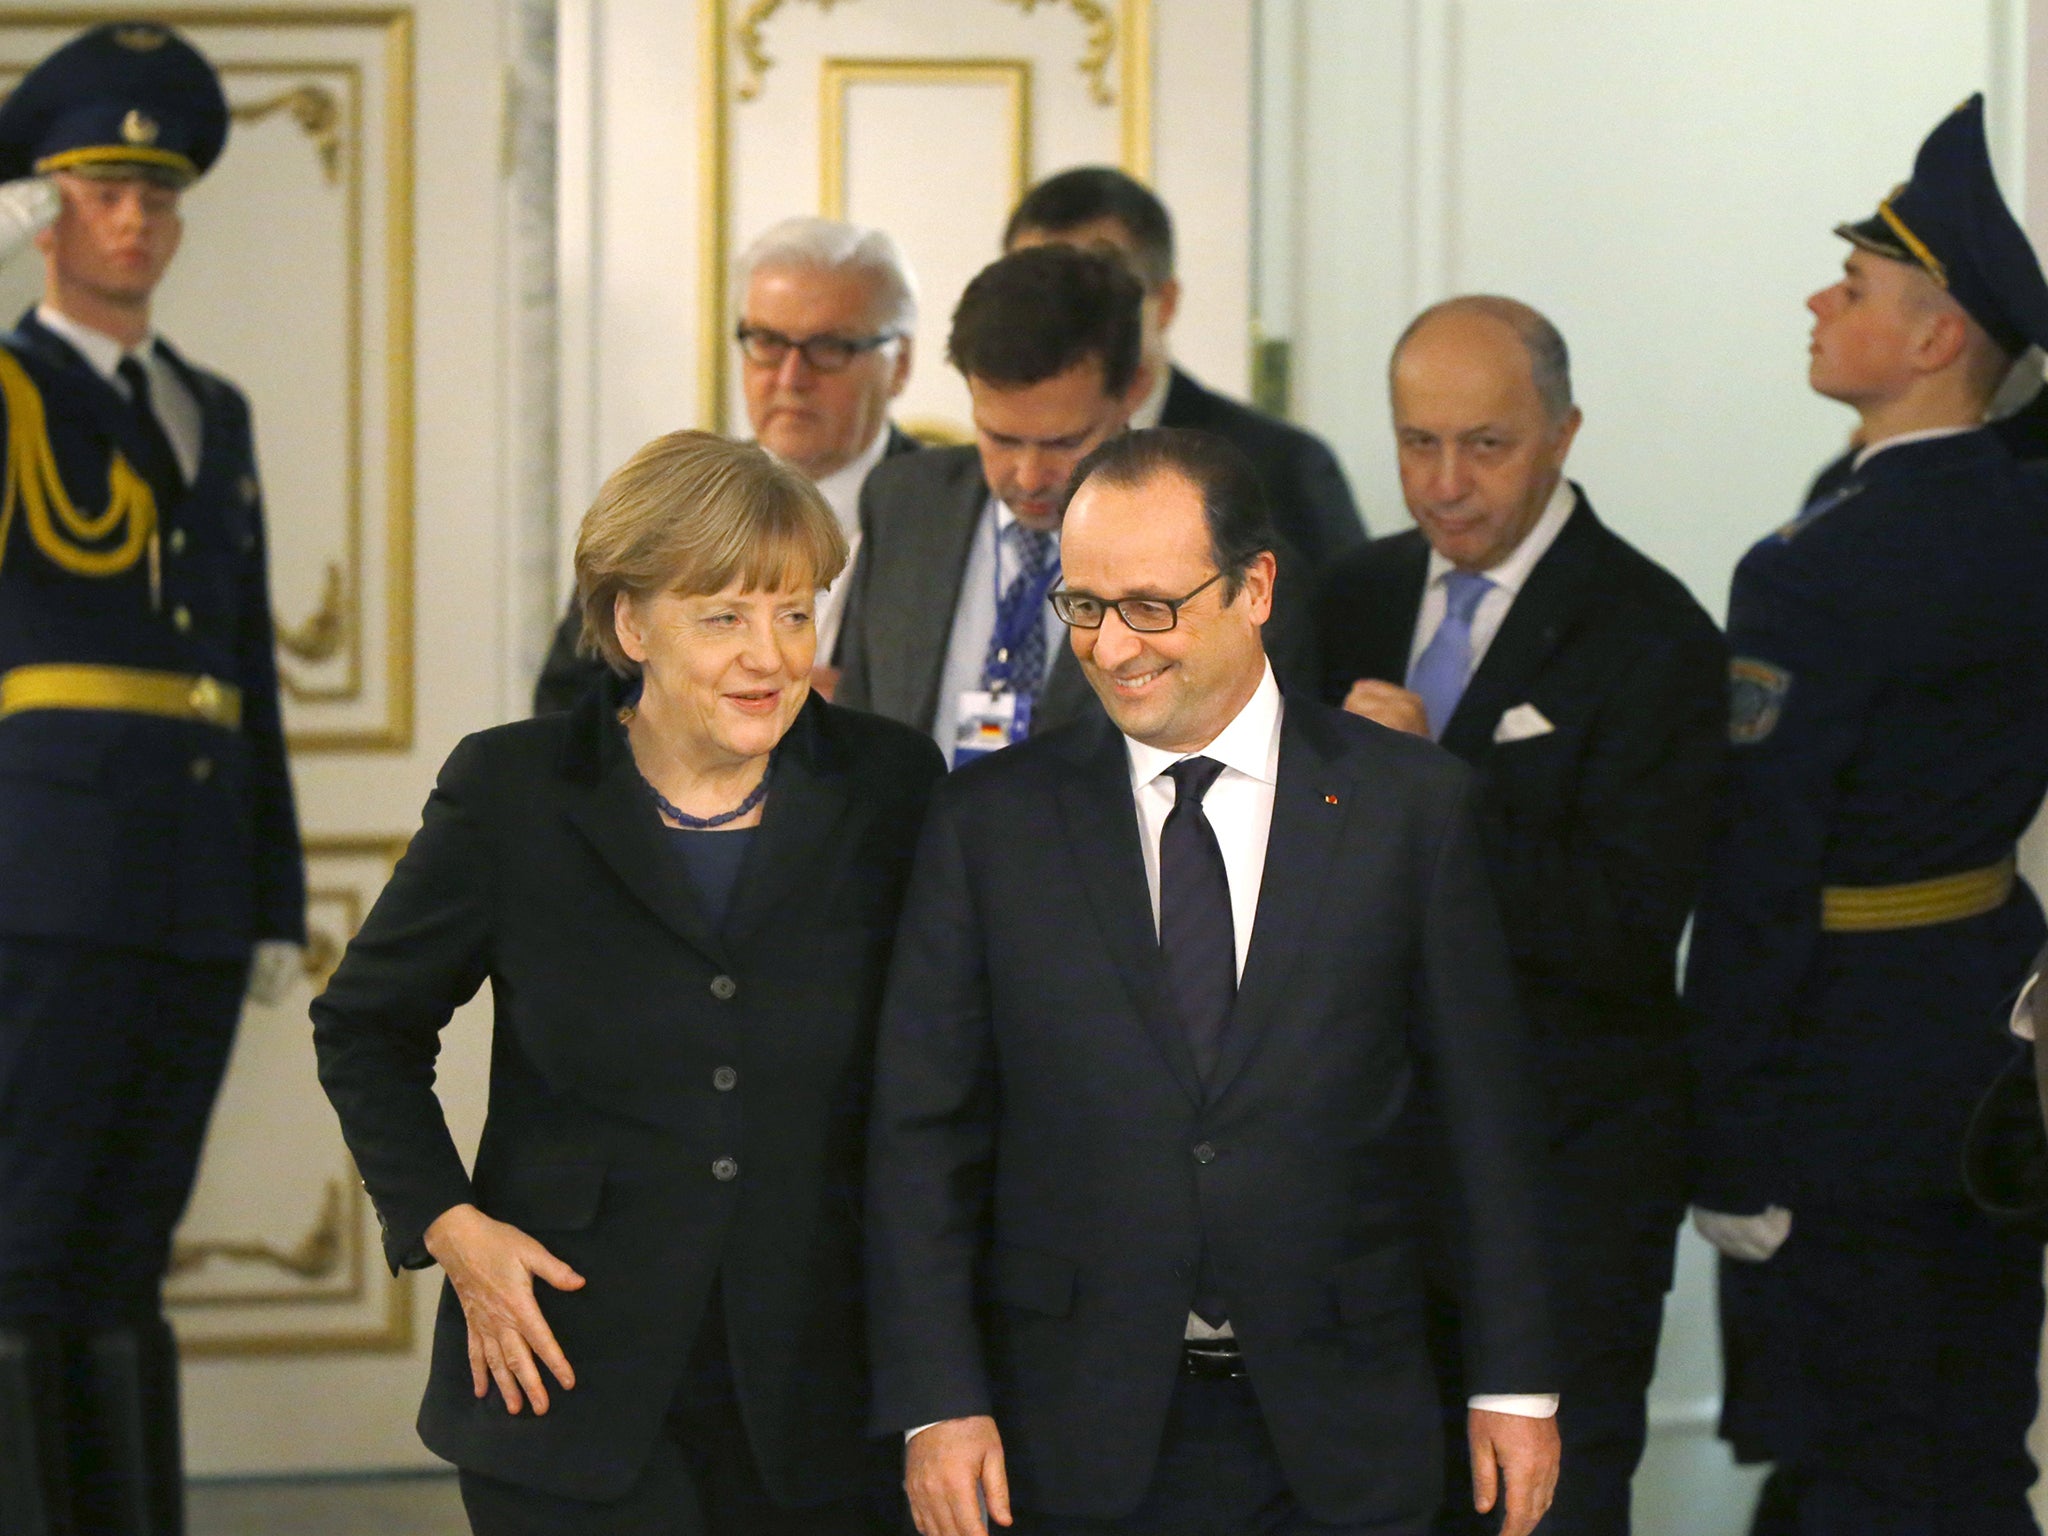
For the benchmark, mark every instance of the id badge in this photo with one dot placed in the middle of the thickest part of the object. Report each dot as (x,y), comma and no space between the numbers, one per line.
(988,722)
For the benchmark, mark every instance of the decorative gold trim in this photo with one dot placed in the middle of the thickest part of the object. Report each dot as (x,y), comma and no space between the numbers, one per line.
(323,632)
(1927,259)
(320,1254)
(838,76)
(314,108)
(1917,903)
(1099,48)
(715,37)
(117,154)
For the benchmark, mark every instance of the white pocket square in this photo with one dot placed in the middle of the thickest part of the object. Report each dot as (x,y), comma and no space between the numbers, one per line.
(1522,723)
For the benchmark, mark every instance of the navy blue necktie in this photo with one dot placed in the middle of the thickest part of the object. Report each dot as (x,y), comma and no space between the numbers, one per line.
(159,464)
(1017,615)
(1445,665)
(1196,933)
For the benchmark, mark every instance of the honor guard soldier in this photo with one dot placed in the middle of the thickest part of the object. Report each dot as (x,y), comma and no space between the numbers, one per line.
(148,844)
(1862,933)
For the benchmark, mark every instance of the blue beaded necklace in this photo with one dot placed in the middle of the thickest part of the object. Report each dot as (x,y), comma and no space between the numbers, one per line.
(701,823)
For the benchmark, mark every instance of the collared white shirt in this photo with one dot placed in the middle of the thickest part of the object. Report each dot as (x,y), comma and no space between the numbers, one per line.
(991,564)
(841,490)
(1925,435)
(1508,578)
(170,401)
(1239,806)
(1153,406)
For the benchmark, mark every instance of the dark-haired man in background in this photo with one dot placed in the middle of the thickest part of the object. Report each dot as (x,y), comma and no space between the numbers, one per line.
(1097,205)
(947,626)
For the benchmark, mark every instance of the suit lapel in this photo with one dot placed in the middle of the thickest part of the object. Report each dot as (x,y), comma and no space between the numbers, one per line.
(1310,803)
(613,810)
(923,590)
(1548,604)
(807,797)
(110,409)
(1102,832)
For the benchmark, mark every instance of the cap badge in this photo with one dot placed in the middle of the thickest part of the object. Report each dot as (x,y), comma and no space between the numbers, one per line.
(141,39)
(138,128)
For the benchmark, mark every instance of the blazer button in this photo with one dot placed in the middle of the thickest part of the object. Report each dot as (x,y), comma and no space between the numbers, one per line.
(725,1170)
(177,541)
(723,987)
(1204,1153)
(725,1079)
(181,619)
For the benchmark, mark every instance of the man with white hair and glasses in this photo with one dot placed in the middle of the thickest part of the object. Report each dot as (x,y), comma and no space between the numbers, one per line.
(827,314)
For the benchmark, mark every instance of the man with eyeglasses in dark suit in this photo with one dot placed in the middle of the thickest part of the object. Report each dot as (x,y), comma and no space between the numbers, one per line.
(827,311)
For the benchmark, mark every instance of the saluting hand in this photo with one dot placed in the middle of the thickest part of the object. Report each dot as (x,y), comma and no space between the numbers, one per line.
(951,1471)
(492,1265)
(1521,1452)
(1384,704)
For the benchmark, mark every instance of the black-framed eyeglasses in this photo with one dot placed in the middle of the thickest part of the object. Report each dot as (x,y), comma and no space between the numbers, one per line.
(824,354)
(1141,615)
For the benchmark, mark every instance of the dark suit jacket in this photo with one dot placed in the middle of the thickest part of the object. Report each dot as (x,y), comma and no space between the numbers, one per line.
(1045,1168)
(542,868)
(1595,833)
(1311,499)
(919,516)
(567,672)
(2005,1152)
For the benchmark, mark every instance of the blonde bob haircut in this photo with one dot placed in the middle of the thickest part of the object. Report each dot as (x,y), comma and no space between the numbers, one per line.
(691,513)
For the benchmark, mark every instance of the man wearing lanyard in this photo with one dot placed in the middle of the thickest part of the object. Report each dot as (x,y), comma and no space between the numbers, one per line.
(947,627)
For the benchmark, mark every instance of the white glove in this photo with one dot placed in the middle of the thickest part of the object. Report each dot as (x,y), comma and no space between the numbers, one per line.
(274,966)
(1751,1239)
(27,208)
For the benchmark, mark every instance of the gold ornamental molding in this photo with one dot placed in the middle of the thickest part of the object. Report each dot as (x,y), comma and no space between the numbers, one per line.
(1117,36)
(319,1255)
(315,109)
(839,76)
(321,636)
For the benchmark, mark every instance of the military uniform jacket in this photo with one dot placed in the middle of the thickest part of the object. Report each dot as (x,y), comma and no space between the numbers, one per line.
(170,835)
(1889,678)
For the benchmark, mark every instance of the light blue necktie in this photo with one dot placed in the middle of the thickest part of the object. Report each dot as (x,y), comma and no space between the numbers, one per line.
(1442,670)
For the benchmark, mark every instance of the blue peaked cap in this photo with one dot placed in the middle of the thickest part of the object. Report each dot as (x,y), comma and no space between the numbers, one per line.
(1951,222)
(123,98)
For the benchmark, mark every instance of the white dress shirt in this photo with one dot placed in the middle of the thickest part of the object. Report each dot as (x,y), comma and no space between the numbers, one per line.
(1239,807)
(1153,406)
(170,401)
(841,490)
(991,565)
(1508,579)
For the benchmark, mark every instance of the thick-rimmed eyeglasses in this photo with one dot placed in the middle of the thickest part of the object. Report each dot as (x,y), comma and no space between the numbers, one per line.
(1142,615)
(823,354)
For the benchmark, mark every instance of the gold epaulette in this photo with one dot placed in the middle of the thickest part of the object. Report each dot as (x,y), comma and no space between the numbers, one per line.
(73,541)
(1917,903)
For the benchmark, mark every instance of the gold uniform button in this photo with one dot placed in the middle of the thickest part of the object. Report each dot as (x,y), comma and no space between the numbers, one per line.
(177,541)
(207,699)
(181,618)
(202,769)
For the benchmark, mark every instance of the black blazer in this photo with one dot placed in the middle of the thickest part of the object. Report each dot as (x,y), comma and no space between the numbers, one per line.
(919,517)
(1045,1168)
(1595,832)
(540,867)
(567,671)
(1311,499)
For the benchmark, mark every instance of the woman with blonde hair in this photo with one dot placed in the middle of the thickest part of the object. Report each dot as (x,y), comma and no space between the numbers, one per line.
(682,895)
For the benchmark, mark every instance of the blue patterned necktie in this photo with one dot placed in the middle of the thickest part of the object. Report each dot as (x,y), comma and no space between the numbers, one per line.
(1017,614)
(1445,665)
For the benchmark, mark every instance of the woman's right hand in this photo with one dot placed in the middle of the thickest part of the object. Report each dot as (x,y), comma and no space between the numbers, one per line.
(492,1265)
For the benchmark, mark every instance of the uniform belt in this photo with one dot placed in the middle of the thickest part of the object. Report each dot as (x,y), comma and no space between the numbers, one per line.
(1917,903)
(128,689)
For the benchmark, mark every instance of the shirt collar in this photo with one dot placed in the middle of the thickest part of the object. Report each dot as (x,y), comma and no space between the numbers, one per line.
(841,488)
(1250,744)
(1153,406)
(1925,435)
(1512,572)
(100,350)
